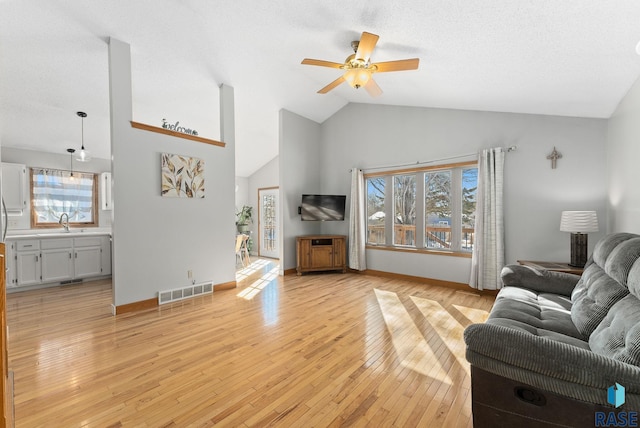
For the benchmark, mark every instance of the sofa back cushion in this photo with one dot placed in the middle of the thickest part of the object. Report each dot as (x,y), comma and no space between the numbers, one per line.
(604,280)
(618,335)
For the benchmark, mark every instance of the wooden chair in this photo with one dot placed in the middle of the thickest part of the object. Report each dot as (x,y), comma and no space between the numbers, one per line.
(245,249)
(239,249)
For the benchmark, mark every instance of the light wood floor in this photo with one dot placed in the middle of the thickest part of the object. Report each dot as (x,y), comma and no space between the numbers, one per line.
(318,350)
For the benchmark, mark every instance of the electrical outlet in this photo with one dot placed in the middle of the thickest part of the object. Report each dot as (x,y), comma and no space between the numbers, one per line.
(190,274)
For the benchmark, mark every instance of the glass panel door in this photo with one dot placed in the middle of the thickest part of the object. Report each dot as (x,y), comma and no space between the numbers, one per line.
(268,223)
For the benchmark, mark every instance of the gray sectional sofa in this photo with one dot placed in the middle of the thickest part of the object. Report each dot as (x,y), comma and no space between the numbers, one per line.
(555,343)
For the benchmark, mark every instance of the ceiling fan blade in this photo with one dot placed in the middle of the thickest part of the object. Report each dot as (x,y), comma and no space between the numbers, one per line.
(401,65)
(331,85)
(321,63)
(372,88)
(365,47)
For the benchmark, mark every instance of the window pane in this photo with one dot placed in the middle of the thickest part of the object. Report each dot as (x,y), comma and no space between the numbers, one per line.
(57,192)
(404,219)
(437,188)
(375,210)
(469,190)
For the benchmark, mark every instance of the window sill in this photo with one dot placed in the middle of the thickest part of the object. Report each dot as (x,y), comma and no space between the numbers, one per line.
(419,251)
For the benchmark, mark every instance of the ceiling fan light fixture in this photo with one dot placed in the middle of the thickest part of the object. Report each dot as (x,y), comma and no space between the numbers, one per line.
(83,154)
(357,77)
(358,68)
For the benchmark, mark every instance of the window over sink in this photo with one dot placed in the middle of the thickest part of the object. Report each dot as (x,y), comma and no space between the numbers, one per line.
(57,192)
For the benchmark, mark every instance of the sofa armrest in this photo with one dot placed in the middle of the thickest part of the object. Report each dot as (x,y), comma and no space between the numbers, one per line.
(542,281)
(549,364)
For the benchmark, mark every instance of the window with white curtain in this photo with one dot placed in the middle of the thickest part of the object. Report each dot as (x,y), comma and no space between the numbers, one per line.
(55,192)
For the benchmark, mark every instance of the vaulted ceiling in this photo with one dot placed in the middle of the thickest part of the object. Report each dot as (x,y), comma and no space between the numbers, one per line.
(569,58)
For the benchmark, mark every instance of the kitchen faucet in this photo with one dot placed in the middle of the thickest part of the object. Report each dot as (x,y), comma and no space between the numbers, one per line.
(66,223)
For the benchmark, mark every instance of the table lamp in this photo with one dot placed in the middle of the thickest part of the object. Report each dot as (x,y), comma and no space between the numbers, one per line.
(579,223)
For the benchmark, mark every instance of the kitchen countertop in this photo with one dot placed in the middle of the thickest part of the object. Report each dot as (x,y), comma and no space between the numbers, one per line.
(70,234)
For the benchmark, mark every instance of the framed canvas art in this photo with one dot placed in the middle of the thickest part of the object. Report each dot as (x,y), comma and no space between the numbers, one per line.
(182,176)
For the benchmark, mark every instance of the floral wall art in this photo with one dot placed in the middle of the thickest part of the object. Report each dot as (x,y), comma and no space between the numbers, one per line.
(182,176)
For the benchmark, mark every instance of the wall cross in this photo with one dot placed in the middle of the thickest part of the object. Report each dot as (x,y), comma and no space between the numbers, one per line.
(554,156)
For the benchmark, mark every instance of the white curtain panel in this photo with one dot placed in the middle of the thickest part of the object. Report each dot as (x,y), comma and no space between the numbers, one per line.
(357,222)
(488,250)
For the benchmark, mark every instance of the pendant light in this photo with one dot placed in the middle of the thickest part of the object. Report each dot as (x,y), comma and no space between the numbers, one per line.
(83,155)
(71,152)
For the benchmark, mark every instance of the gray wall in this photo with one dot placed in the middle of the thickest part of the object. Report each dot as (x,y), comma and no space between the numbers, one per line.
(299,170)
(364,135)
(155,239)
(623,152)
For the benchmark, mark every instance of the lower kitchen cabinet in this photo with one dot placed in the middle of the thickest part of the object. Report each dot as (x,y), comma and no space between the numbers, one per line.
(28,268)
(55,260)
(57,265)
(88,262)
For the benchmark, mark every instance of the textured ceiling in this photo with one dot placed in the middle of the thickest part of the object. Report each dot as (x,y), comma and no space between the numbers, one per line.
(570,58)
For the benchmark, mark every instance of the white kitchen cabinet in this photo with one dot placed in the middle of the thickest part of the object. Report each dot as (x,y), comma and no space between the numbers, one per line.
(56,260)
(10,260)
(28,267)
(88,262)
(105,191)
(14,187)
(106,254)
(88,256)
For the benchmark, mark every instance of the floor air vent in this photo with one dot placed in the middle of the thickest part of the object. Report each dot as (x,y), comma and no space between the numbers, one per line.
(176,294)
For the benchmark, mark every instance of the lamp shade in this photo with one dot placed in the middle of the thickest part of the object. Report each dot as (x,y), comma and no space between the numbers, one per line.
(579,221)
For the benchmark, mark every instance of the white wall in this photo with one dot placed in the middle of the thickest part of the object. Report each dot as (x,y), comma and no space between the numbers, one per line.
(299,169)
(365,135)
(242,192)
(32,158)
(155,239)
(623,153)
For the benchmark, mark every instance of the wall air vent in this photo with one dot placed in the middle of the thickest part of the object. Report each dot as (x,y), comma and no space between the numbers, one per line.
(168,296)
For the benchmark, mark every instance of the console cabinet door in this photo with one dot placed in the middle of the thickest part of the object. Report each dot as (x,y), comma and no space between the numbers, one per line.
(338,253)
(304,253)
(321,256)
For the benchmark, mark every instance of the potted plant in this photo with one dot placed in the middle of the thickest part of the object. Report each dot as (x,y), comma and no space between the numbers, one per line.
(244,218)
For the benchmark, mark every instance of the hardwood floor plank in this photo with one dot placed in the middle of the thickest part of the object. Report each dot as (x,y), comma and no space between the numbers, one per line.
(316,350)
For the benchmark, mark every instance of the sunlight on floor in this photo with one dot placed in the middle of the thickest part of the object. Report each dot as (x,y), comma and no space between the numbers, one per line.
(410,345)
(476,316)
(252,268)
(446,326)
(252,290)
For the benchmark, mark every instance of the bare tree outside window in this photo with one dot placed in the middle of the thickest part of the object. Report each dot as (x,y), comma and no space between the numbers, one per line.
(469,191)
(375,210)
(438,209)
(404,220)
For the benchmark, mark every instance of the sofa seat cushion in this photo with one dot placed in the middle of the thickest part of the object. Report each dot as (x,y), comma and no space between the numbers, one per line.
(618,335)
(540,314)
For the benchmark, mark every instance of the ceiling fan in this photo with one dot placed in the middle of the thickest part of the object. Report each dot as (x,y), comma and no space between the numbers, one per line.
(359,68)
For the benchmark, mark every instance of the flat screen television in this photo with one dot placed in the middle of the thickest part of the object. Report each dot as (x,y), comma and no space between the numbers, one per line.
(323,207)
